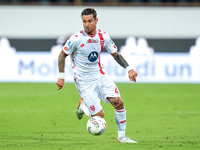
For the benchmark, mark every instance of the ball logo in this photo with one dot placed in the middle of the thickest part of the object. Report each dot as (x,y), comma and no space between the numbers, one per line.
(93,56)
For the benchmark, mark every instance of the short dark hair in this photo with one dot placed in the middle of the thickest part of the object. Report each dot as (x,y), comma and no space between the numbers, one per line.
(89,11)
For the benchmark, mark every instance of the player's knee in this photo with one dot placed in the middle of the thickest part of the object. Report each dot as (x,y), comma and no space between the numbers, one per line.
(102,115)
(117,102)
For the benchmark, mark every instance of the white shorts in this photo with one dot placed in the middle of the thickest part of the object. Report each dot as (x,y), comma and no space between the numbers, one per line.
(93,91)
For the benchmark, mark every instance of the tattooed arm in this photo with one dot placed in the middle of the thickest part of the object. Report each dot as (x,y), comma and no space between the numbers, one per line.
(122,62)
(61,66)
(61,61)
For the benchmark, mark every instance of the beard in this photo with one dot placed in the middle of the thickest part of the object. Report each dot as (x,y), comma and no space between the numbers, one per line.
(89,31)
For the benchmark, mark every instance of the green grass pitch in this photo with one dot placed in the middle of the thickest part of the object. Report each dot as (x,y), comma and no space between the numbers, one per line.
(36,116)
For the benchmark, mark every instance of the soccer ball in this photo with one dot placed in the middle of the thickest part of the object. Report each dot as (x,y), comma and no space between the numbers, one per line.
(96,125)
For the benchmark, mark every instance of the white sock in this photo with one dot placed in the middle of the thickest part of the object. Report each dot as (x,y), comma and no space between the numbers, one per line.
(84,108)
(120,118)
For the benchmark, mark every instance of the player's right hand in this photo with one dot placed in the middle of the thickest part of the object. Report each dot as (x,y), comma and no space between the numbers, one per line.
(60,83)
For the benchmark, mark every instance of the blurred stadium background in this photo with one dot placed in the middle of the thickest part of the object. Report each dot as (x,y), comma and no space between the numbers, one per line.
(105,2)
(159,37)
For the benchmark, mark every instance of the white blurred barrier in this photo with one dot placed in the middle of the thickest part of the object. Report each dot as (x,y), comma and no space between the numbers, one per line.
(151,67)
(42,67)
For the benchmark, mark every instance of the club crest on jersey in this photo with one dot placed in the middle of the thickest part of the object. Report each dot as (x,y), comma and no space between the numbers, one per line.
(93,56)
(92,41)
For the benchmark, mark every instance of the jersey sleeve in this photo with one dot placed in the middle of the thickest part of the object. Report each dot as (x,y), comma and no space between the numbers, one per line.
(109,44)
(70,45)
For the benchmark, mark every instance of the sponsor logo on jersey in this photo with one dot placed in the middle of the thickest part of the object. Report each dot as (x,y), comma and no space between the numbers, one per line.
(92,64)
(111,41)
(68,45)
(92,41)
(93,56)
(82,45)
(102,42)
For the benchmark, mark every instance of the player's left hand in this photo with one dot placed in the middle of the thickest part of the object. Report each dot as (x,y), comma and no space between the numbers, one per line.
(132,74)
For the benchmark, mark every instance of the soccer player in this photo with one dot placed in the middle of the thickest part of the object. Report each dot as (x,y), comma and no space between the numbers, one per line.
(91,80)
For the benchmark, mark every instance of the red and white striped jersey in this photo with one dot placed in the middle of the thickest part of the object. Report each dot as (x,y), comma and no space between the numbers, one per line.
(85,53)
